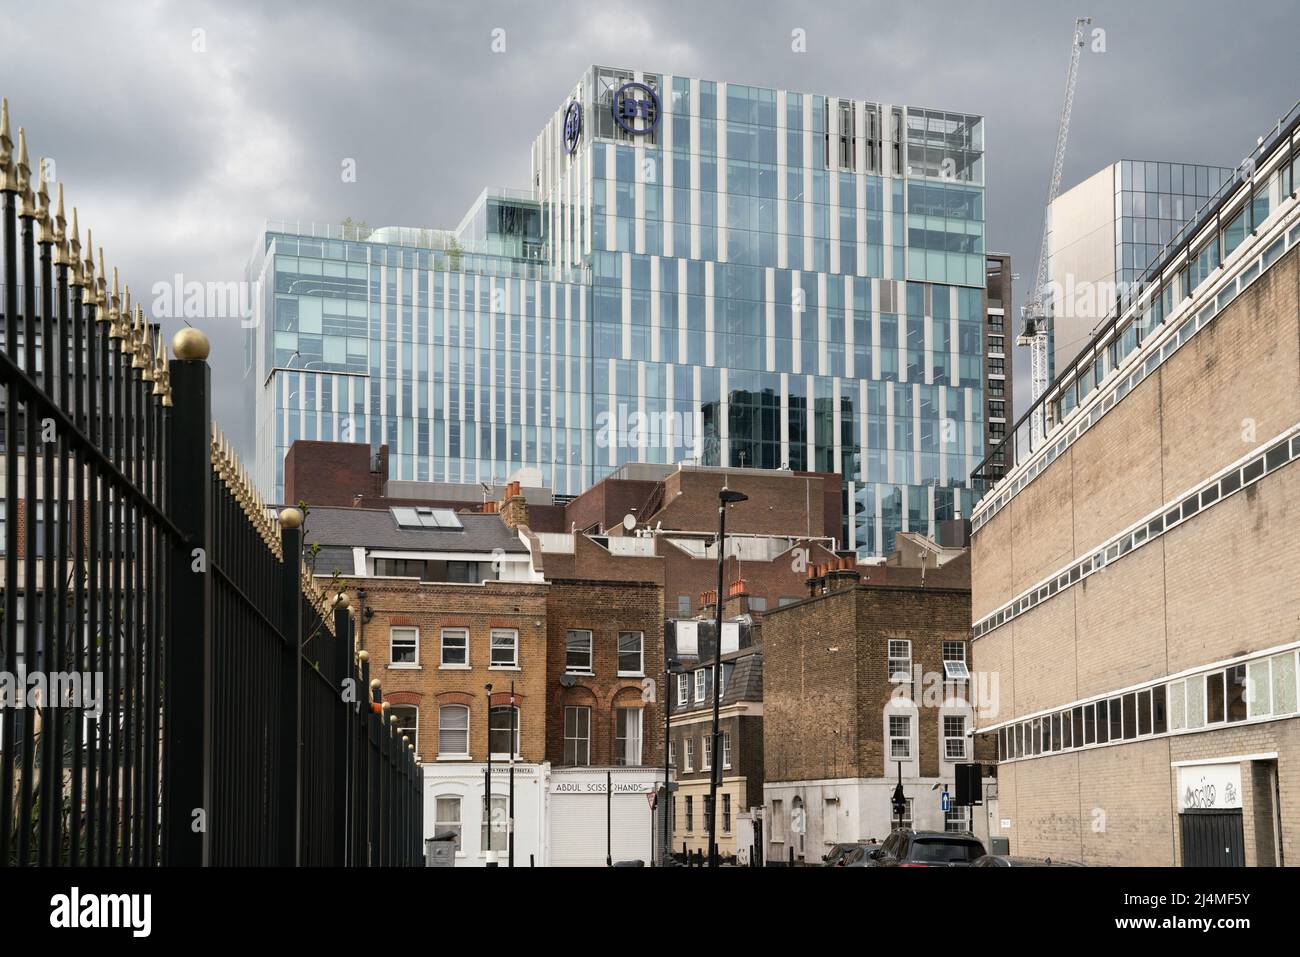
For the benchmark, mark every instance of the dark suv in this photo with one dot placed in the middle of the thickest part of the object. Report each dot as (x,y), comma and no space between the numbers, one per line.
(926,849)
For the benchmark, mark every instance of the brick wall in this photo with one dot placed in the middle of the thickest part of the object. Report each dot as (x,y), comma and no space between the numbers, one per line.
(605,608)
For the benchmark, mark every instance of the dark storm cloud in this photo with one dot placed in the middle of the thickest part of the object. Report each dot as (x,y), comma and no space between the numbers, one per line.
(175,156)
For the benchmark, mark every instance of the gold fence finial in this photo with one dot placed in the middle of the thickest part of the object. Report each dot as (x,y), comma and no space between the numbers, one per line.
(159,367)
(42,204)
(7,183)
(58,224)
(166,374)
(144,346)
(23,178)
(74,247)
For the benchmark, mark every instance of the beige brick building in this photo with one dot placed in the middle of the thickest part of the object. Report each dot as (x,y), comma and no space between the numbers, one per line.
(1134,584)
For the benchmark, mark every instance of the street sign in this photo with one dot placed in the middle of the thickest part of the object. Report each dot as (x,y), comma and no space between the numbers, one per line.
(650,799)
(943,802)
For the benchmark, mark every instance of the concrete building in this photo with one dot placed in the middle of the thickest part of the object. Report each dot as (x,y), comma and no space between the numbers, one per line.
(1134,579)
(698,271)
(1000,330)
(1104,232)
(865,686)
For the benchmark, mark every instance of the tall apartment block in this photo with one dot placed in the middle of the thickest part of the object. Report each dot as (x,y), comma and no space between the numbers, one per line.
(1105,231)
(999,333)
(699,271)
(1134,584)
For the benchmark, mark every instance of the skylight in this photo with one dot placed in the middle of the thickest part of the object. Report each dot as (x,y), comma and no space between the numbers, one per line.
(426,518)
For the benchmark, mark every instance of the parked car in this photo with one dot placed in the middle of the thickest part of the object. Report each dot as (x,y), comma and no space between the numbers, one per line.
(925,849)
(1006,860)
(835,857)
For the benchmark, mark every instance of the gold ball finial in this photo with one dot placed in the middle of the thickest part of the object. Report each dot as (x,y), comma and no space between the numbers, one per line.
(341,600)
(363,655)
(190,344)
(374,684)
(290,518)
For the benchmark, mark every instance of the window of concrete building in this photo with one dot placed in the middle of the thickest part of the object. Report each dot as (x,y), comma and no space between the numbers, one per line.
(1089,724)
(683,606)
(1144,712)
(1158,714)
(577,652)
(627,737)
(447,817)
(1129,710)
(726,813)
(726,749)
(1177,705)
(1196,701)
(706,752)
(900,737)
(453,731)
(683,689)
(505,648)
(1067,731)
(701,676)
(631,660)
(1103,722)
(1116,711)
(1283,671)
(404,647)
(577,736)
(955,819)
(786,600)
(1214,697)
(1236,693)
(455,648)
(708,812)
(689,745)
(757,603)
(672,754)
(690,812)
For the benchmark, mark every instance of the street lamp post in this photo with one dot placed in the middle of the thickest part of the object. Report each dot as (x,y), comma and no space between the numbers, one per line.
(489,855)
(513,732)
(726,497)
(668,719)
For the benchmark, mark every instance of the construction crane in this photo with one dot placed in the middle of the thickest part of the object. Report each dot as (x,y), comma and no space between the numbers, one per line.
(1033,328)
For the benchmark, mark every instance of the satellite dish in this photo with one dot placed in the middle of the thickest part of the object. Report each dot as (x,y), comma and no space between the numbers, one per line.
(567,681)
(629,521)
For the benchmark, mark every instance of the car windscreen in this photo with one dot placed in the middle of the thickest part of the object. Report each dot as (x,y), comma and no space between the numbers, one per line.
(945,852)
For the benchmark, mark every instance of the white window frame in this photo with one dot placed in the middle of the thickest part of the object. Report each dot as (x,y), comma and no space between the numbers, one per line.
(410,729)
(701,683)
(689,764)
(905,737)
(955,669)
(895,675)
(706,752)
(956,814)
(513,664)
(672,754)
(726,749)
(441,824)
(640,669)
(393,637)
(453,755)
(683,690)
(518,731)
(591,652)
(948,738)
(443,663)
(631,756)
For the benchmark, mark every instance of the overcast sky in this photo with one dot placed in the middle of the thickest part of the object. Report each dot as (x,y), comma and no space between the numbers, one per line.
(175,154)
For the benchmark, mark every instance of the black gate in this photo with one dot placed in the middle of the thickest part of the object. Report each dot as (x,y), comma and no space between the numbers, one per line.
(1213,838)
(174,688)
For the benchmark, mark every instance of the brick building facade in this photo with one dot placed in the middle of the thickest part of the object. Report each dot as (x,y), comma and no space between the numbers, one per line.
(1135,589)
(856,698)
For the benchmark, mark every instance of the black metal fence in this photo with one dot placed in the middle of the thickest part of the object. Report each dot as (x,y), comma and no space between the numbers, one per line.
(174,688)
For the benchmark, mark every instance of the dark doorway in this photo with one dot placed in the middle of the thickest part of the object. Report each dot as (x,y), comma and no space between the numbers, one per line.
(1213,839)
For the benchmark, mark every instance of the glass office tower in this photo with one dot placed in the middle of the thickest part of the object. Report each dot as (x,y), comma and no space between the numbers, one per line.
(701,272)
